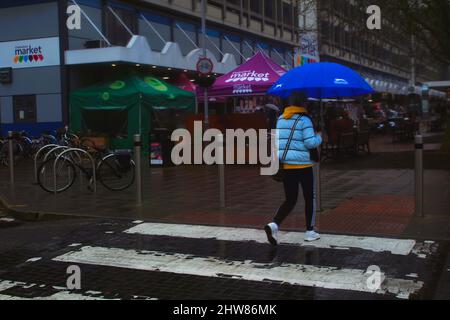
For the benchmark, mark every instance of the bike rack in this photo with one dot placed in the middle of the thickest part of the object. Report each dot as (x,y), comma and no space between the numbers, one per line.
(53,150)
(58,147)
(76,150)
(36,156)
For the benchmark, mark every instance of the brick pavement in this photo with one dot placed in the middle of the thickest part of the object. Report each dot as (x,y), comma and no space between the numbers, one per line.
(364,195)
(409,273)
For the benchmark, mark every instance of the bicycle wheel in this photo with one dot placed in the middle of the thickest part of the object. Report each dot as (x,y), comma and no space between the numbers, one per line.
(65,175)
(113,176)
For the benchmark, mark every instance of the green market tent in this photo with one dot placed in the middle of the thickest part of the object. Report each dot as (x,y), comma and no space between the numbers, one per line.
(124,108)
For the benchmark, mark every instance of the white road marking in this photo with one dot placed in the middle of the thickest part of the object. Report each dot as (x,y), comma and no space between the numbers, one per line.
(7,219)
(422,250)
(34,259)
(394,246)
(296,274)
(75,245)
(5,285)
(64,294)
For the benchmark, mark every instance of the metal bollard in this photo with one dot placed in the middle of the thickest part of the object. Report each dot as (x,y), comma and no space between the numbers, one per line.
(11,158)
(318,187)
(137,160)
(418,176)
(221,164)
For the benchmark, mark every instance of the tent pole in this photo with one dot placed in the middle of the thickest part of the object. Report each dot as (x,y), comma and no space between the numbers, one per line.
(318,171)
(196,105)
(203,16)
(140,114)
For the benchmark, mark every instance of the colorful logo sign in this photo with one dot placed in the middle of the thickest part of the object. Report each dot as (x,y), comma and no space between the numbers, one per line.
(301,60)
(156,84)
(251,76)
(340,81)
(28,54)
(105,96)
(242,89)
(117,85)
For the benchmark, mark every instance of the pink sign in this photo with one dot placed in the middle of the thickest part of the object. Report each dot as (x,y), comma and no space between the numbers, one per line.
(253,77)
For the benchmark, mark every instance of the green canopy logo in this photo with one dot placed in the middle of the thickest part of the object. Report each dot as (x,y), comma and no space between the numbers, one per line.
(156,84)
(117,85)
(105,96)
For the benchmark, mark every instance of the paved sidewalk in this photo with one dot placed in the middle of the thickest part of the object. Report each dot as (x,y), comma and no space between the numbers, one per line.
(376,202)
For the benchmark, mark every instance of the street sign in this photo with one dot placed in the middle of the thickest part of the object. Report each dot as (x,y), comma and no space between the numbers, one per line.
(205,66)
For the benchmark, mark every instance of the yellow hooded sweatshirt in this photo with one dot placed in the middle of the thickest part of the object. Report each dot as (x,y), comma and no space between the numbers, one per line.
(288,113)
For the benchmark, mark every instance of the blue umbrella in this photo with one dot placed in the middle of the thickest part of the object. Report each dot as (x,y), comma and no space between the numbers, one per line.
(321,80)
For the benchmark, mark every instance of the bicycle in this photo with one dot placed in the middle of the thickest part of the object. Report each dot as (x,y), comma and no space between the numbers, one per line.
(21,148)
(114,170)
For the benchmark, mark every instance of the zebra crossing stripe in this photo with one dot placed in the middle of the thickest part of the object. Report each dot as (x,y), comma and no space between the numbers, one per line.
(295,274)
(61,295)
(342,242)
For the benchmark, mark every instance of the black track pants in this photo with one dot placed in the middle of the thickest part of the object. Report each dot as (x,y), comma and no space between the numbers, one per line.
(291,182)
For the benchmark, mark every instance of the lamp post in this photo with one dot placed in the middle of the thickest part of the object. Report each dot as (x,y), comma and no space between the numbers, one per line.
(206,122)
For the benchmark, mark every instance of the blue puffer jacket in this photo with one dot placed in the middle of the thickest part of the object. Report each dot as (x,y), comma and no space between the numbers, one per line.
(303,140)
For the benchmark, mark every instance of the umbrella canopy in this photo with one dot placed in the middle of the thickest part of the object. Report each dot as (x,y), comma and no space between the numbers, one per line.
(184,83)
(255,76)
(124,107)
(321,80)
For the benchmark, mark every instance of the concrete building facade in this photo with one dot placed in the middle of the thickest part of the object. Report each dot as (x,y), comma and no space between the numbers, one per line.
(46,60)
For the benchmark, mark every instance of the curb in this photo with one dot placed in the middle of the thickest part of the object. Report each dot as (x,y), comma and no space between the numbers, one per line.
(31,216)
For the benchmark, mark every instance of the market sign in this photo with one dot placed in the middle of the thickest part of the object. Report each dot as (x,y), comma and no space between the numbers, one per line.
(249,76)
(30,53)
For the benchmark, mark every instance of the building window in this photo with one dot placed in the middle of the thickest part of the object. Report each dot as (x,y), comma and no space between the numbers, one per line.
(256,7)
(185,34)
(269,9)
(232,44)
(115,31)
(287,14)
(24,109)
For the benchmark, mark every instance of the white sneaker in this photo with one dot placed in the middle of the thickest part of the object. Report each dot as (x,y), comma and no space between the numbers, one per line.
(272,233)
(311,236)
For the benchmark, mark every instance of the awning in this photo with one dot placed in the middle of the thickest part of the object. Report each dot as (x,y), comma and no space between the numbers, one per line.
(138,51)
(253,77)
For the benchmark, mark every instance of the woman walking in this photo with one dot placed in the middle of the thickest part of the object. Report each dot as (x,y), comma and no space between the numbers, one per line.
(297,165)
